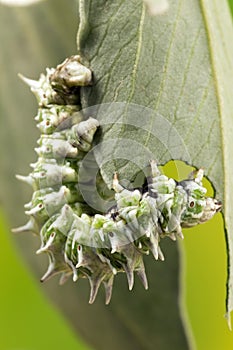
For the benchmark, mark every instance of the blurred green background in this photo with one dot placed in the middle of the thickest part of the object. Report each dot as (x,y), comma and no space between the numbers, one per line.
(28,321)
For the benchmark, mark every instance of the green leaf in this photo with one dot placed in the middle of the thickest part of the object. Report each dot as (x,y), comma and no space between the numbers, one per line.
(178,65)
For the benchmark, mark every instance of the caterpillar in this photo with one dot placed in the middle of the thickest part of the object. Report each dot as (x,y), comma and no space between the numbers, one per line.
(80,242)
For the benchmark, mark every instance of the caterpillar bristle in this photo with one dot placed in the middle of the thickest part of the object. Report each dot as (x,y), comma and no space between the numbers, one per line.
(27,179)
(130,275)
(172,236)
(64,277)
(94,287)
(51,271)
(154,250)
(56,266)
(142,276)
(79,242)
(108,285)
(153,245)
(33,84)
(30,226)
(46,247)
(161,256)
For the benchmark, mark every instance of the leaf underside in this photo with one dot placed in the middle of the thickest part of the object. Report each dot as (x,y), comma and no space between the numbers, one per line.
(177,65)
(162,63)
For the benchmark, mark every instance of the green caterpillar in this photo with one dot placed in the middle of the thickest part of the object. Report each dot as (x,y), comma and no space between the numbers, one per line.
(78,241)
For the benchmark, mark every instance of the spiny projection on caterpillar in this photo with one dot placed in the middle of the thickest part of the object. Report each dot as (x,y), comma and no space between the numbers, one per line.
(78,241)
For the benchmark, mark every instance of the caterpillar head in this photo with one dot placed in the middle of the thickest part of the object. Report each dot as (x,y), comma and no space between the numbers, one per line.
(180,204)
(198,208)
(69,74)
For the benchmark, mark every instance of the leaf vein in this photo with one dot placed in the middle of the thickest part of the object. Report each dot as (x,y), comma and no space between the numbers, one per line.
(167,58)
(138,53)
(186,71)
(199,108)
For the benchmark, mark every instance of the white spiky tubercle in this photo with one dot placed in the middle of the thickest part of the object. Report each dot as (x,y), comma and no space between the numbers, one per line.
(79,242)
